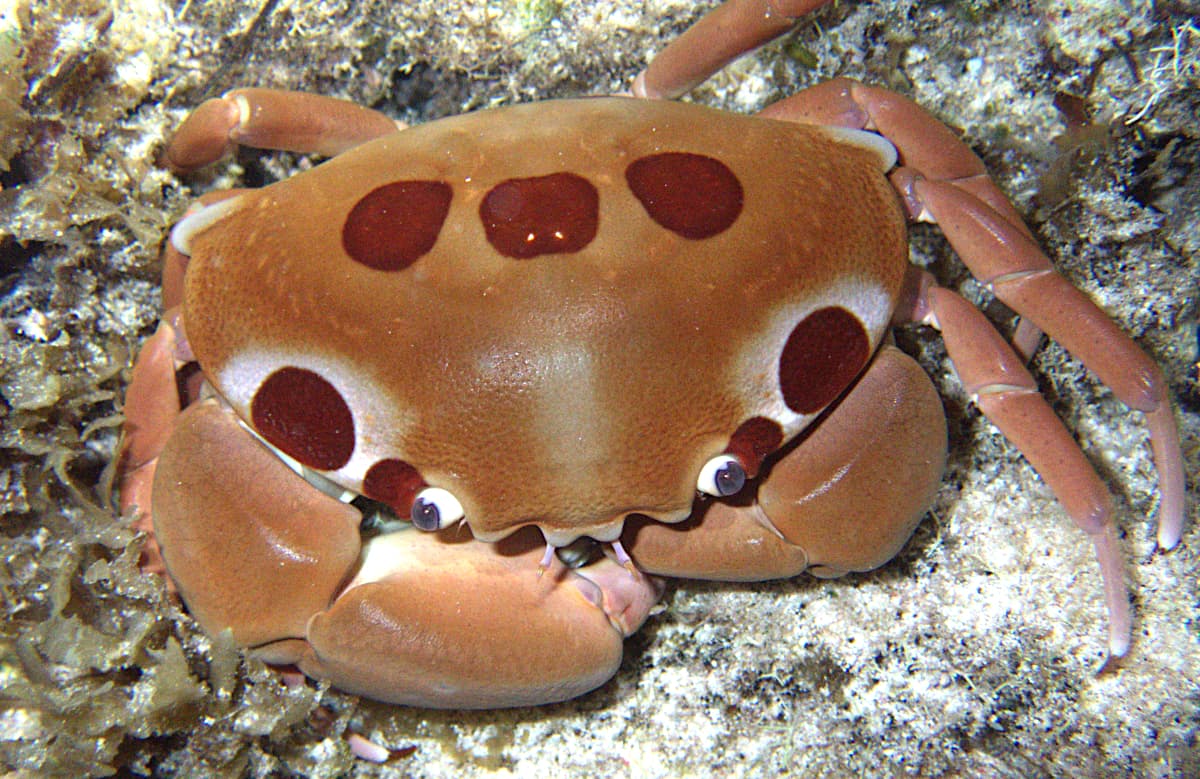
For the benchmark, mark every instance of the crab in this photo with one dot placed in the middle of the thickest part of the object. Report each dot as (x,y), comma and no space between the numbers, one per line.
(647,338)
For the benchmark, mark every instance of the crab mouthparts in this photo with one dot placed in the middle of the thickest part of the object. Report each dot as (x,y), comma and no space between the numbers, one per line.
(622,557)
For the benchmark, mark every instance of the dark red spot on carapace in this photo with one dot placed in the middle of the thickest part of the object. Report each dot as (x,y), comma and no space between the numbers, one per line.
(754,439)
(304,416)
(553,214)
(394,225)
(689,194)
(821,357)
(393,482)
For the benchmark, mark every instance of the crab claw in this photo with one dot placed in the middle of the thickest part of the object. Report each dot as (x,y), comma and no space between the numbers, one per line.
(846,498)
(468,625)
(426,619)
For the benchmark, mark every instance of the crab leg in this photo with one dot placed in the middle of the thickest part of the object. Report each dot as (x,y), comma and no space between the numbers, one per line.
(996,380)
(725,33)
(1021,276)
(944,182)
(151,407)
(273,119)
(155,397)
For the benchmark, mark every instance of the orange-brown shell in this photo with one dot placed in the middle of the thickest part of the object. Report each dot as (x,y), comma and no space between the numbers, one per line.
(571,388)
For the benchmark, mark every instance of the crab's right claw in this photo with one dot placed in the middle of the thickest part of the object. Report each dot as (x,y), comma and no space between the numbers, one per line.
(470,625)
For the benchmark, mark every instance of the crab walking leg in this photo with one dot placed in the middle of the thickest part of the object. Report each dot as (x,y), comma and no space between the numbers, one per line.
(1021,276)
(721,36)
(273,119)
(153,400)
(943,181)
(996,380)
(436,620)
(846,498)
(151,407)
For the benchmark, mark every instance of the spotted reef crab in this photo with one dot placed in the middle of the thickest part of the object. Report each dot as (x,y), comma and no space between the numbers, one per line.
(529,325)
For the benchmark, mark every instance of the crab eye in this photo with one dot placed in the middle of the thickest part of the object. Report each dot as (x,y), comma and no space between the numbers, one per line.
(721,477)
(434,508)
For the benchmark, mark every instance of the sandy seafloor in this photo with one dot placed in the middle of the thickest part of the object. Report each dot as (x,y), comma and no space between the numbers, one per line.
(974,653)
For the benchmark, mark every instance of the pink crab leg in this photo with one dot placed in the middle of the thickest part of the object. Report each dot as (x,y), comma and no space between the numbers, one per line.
(943,181)
(1026,282)
(151,407)
(157,391)
(273,119)
(996,380)
(725,33)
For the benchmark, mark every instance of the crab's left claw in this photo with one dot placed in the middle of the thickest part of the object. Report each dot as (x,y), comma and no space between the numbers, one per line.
(847,498)
(437,620)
